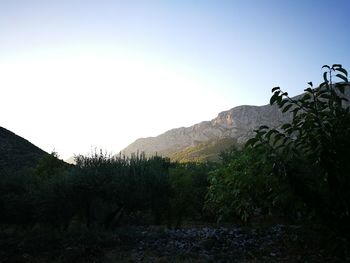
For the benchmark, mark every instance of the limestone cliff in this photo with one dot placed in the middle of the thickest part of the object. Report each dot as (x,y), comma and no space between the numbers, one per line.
(237,123)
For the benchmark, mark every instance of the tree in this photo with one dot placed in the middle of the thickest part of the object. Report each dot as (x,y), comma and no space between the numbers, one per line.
(312,150)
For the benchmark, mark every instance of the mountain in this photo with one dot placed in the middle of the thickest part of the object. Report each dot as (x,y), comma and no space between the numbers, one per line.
(234,126)
(16,153)
(70,160)
(205,140)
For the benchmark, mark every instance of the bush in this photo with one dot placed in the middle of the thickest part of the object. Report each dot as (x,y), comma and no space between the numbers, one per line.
(189,183)
(246,185)
(108,187)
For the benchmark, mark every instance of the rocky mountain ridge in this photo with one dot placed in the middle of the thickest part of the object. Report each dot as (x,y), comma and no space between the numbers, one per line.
(237,123)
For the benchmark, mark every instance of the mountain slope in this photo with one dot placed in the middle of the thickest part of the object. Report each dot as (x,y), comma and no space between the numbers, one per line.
(17,153)
(204,151)
(237,123)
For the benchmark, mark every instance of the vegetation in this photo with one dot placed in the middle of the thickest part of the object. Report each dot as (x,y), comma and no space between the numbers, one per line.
(205,151)
(298,172)
(189,183)
(312,151)
(247,186)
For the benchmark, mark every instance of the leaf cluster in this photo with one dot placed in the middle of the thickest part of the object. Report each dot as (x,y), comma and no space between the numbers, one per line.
(316,116)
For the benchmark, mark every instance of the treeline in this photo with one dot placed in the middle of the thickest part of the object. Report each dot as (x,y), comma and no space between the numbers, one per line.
(104,191)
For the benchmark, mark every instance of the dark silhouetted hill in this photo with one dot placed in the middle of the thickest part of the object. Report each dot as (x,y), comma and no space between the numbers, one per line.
(16,153)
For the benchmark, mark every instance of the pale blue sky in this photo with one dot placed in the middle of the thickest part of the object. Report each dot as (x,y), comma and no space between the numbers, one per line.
(80,74)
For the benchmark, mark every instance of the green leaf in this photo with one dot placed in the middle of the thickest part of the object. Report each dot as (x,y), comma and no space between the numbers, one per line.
(310,83)
(335,66)
(323,84)
(286,126)
(273,131)
(273,98)
(287,108)
(275,88)
(342,77)
(306,97)
(263,127)
(325,77)
(308,90)
(326,66)
(279,100)
(260,133)
(283,102)
(285,140)
(342,70)
(295,112)
(268,135)
(278,137)
(251,142)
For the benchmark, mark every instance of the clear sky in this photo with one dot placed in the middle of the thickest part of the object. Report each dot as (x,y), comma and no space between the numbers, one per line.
(75,75)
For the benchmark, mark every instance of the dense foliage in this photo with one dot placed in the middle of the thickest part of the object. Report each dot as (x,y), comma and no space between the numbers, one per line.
(247,186)
(314,148)
(189,183)
(103,191)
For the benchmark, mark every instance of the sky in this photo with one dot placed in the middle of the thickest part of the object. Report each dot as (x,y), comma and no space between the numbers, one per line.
(79,75)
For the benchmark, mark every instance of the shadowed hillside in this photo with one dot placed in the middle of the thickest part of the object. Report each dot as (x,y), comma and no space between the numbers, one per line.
(17,153)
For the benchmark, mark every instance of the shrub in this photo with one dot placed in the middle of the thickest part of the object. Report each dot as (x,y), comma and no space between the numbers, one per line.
(189,183)
(247,184)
